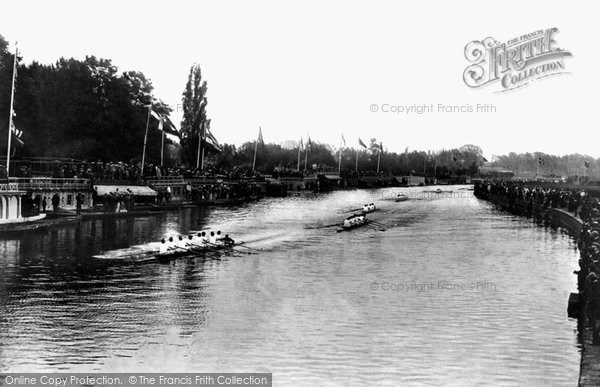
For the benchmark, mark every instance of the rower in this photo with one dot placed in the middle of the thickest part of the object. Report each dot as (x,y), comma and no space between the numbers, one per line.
(171,244)
(227,241)
(163,248)
(204,238)
(212,239)
(190,241)
(180,243)
(218,238)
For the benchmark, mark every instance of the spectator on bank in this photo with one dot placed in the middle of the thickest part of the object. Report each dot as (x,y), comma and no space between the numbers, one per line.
(79,202)
(55,203)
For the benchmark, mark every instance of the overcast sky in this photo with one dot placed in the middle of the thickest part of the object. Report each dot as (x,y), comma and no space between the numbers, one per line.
(316,67)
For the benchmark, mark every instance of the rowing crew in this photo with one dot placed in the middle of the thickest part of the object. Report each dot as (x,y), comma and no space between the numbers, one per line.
(369,207)
(354,220)
(201,240)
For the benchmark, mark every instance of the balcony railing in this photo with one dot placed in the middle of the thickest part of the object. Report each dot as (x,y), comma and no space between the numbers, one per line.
(47,183)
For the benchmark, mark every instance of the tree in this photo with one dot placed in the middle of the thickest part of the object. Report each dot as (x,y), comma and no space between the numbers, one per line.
(195,121)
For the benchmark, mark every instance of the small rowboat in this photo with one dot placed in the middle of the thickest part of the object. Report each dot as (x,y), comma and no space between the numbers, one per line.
(191,251)
(353,221)
(137,256)
(401,197)
(368,208)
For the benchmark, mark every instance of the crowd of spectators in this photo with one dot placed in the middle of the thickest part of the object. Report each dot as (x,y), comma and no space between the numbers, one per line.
(119,171)
(548,196)
(114,202)
(589,272)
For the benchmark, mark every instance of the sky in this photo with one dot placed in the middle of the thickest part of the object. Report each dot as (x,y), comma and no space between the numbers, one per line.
(320,68)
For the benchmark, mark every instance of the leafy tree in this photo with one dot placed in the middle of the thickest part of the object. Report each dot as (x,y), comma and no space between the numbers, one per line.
(195,121)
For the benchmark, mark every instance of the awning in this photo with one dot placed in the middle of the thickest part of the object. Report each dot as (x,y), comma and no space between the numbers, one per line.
(136,190)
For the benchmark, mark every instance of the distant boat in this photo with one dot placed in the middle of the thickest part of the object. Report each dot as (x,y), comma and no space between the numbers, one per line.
(401,197)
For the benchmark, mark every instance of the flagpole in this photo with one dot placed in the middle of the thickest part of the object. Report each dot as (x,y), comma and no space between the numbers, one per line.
(146,139)
(538,168)
(378,159)
(162,148)
(10,112)
(306,155)
(203,134)
(299,149)
(356,168)
(200,148)
(255,150)
(340,162)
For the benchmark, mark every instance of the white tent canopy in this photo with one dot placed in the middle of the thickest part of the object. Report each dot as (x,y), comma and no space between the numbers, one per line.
(136,190)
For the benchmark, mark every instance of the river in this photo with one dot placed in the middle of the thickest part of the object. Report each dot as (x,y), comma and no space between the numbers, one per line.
(453,291)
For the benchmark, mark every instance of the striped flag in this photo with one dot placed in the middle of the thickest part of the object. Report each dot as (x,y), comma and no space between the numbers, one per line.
(212,141)
(16,134)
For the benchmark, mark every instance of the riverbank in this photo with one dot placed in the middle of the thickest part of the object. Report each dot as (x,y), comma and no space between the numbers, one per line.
(589,374)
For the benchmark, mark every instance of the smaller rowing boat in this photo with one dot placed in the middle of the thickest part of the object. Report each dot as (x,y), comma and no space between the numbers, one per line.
(367,208)
(401,197)
(353,221)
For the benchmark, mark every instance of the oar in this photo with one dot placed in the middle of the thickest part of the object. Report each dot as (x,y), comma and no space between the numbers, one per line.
(329,225)
(207,248)
(375,226)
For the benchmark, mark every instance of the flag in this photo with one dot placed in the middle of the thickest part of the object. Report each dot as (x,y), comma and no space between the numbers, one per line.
(160,124)
(260,137)
(169,127)
(308,143)
(212,141)
(361,143)
(16,134)
(381,147)
(301,147)
(343,141)
(587,165)
(153,113)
